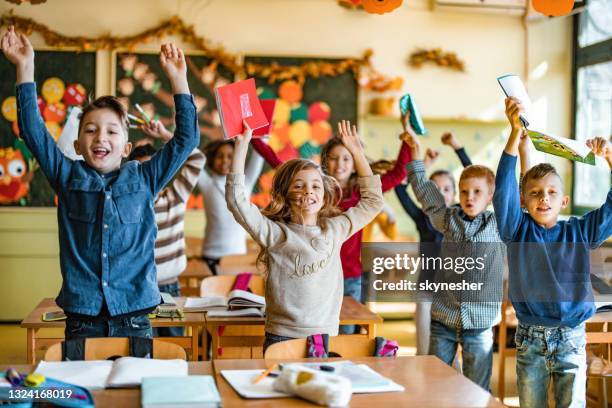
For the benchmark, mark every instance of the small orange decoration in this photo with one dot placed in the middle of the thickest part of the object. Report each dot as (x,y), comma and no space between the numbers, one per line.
(553,8)
(290,91)
(380,6)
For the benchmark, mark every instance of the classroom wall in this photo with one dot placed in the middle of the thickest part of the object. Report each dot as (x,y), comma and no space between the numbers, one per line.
(490,45)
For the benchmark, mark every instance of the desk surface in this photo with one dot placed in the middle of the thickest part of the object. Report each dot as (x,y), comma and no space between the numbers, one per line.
(124,397)
(34,319)
(428,382)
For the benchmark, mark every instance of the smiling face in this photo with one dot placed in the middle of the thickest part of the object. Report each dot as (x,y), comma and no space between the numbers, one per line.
(222,161)
(103,140)
(446,186)
(339,164)
(474,195)
(306,193)
(543,198)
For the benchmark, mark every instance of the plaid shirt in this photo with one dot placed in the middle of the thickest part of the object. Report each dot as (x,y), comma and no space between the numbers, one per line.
(463,309)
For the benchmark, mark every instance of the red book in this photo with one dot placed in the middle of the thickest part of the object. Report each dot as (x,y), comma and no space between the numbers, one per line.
(268,107)
(237,102)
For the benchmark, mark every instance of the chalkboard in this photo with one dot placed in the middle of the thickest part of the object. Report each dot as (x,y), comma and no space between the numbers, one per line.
(141,80)
(63,78)
(305,115)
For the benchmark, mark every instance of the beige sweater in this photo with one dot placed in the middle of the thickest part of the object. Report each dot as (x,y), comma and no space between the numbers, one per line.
(304,287)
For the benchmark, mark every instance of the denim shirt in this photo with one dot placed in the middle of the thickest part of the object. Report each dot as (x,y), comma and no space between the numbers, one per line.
(106,222)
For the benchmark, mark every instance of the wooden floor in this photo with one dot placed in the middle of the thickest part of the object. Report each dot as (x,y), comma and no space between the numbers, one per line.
(13,350)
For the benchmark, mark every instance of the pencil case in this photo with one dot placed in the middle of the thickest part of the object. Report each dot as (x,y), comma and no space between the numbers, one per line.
(316,386)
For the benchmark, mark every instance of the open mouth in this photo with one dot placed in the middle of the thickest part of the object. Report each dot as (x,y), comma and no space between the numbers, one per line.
(100,152)
(543,209)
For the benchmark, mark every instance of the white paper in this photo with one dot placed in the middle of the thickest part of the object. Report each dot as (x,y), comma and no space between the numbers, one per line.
(69,134)
(89,374)
(193,304)
(250,312)
(242,382)
(363,379)
(513,86)
(129,371)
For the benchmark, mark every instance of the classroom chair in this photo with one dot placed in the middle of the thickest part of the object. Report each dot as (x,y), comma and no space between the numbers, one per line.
(221,285)
(193,247)
(235,264)
(105,347)
(191,278)
(346,345)
(599,367)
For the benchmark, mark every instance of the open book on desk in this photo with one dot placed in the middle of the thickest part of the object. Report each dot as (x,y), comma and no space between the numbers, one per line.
(235,300)
(124,372)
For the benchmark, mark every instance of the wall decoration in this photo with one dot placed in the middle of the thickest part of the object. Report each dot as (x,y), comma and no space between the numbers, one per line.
(306,112)
(140,79)
(553,8)
(371,6)
(64,79)
(438,57)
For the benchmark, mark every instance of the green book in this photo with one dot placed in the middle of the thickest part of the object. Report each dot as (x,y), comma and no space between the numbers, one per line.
(183,392)
(560,146)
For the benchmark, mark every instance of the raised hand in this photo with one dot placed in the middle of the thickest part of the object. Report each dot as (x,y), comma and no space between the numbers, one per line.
(449,139)
(173,63)
(513,111)
(157,130)
(601,147)
(18,50)
(524,142)
(430,157)
(350,137)
(415,145)
(241,148)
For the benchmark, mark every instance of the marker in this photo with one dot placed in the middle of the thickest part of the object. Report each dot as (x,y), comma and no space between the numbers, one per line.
(143,113)
(136,119)
(265,374)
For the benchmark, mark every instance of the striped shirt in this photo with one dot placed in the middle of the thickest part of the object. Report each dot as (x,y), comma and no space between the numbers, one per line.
(170,204)
(465,310)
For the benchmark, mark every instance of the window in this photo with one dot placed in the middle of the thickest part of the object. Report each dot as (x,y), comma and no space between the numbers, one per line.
(592,98)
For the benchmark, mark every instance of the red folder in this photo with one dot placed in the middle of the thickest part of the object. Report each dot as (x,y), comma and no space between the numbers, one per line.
(237,102)
(268,107)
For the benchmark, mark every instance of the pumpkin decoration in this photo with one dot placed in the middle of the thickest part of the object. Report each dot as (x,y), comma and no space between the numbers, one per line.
(380,6)
(553,8)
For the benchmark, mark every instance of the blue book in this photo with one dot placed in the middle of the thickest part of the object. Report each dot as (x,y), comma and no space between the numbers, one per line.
(189,391)
(406,103)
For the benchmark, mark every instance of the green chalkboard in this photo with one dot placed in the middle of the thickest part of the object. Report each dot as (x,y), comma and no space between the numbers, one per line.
(141,80)
(57,74)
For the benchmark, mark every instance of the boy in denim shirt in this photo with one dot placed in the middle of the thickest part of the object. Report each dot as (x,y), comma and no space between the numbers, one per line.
(549,283)
(105,210)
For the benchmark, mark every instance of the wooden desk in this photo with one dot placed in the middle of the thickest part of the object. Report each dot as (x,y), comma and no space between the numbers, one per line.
(428,382)
(126,397)
(597,328)
(224,332)
(33,323)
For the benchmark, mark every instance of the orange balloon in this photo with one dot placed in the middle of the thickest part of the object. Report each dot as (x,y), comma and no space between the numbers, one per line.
(290,91)
(553,8)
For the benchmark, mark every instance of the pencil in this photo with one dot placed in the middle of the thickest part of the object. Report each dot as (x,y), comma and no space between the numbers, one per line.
(136,118)
(265,373)
(143,113)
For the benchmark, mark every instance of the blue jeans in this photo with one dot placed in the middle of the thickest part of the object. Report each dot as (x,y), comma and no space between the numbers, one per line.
(551,353)
(271,339)
(135,326)
(175,290)
(476,345)
(352,288)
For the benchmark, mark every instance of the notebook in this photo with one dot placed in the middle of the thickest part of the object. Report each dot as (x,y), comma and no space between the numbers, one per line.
(237,102)
(205,303)
(363,380)
(124,372)
(406,104)
(185,392)
(544,142)
(237,299)
(242,299)
(250,312)
(268,106)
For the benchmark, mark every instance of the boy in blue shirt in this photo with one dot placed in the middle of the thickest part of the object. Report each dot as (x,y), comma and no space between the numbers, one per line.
(549,283)
(105,210)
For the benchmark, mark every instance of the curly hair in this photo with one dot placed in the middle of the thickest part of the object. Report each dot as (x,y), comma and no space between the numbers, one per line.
(279,209)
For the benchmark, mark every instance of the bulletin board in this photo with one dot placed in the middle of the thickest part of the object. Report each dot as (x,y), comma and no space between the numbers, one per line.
(64,79)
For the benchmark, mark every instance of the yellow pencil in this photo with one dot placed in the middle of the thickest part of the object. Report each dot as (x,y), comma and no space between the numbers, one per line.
(136,118)
(265,373)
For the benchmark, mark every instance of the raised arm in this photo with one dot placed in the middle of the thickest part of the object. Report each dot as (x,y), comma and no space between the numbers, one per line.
(266,152)
(56,167)
(161,168)
(432,201)
(371,200)
(506,199)
(264,231)
(417,215)
(398,173)
(449,139)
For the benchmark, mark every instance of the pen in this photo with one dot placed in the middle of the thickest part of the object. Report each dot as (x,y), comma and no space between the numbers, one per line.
(265,374)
